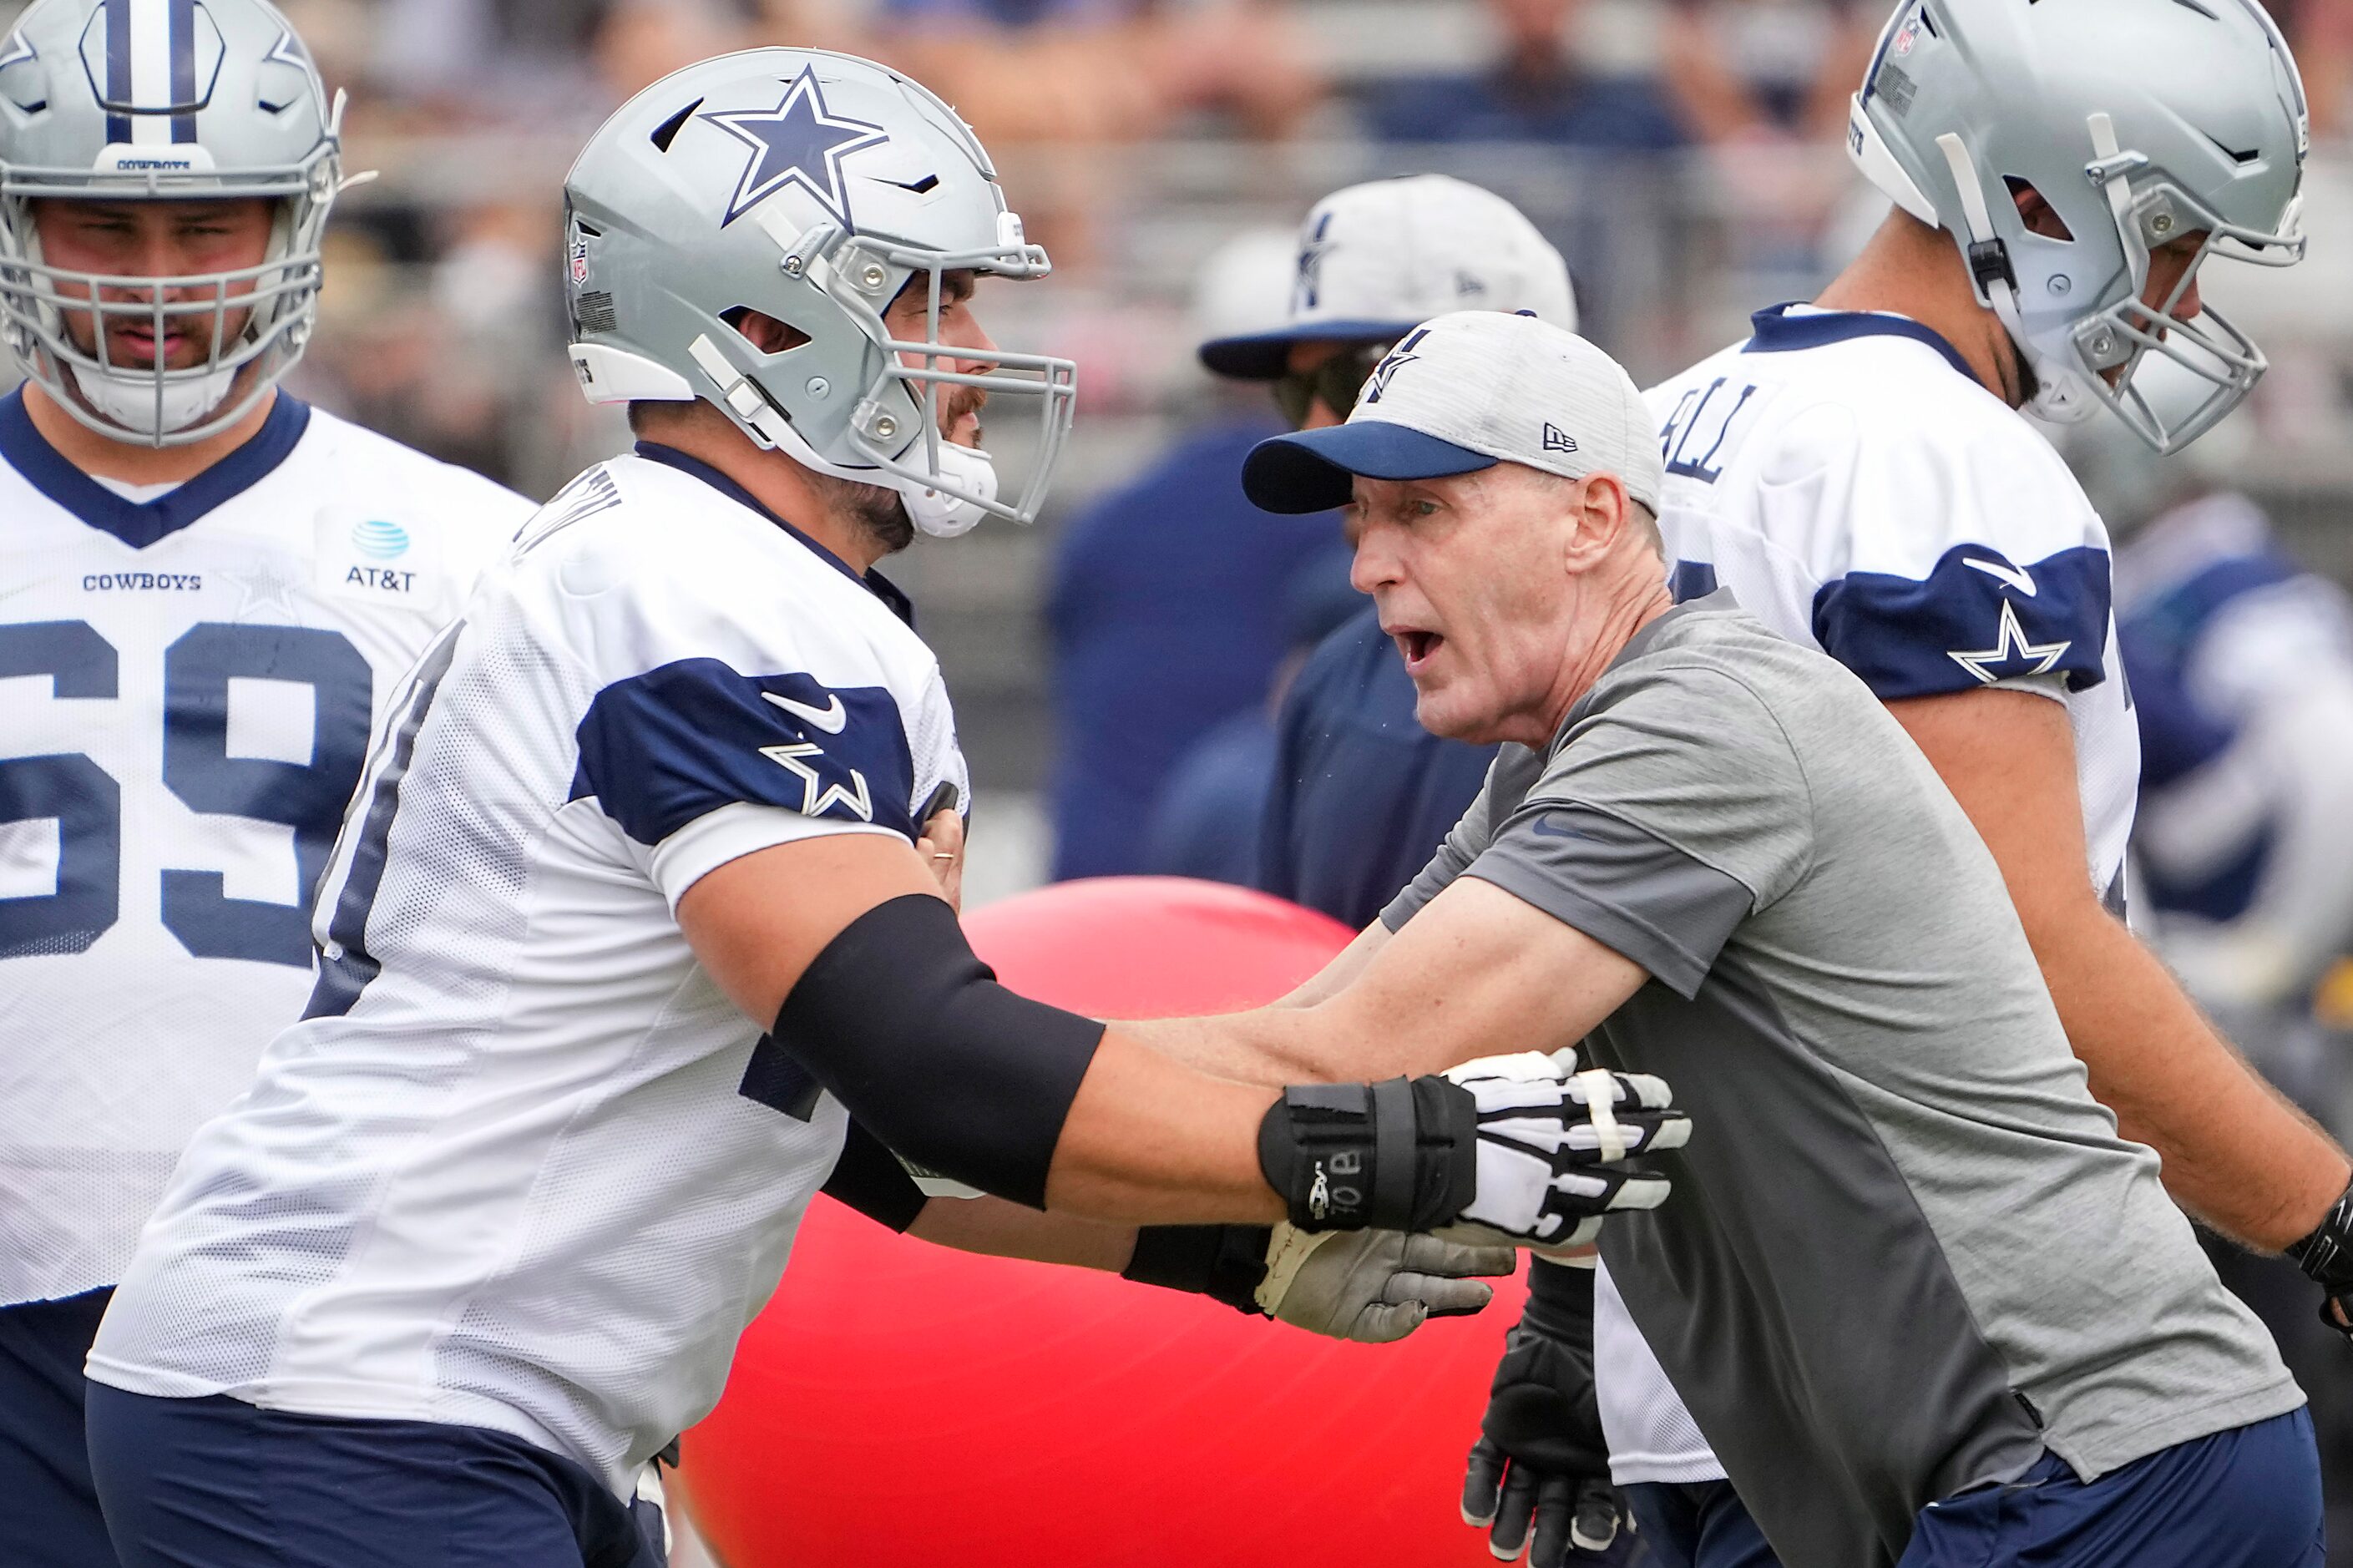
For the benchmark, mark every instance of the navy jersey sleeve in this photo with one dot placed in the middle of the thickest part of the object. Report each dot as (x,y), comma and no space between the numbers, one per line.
(667,747)
(1975,618)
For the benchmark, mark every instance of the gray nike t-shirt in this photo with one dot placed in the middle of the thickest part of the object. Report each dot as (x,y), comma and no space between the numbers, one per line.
(1906,1251)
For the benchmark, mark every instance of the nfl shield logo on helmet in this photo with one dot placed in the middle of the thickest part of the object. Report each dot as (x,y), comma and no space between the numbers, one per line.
(1905,37)
(579,261)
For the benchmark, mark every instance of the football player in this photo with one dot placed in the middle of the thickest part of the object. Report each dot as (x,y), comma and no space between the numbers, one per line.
(208,591)
(483,1237)
(1859,475)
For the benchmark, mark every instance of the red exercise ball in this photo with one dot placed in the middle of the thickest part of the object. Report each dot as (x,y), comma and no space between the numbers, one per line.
(904,1405)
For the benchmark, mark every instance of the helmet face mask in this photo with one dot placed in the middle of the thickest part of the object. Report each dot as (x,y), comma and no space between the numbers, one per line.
(881,189)
(2141,127)
(2113,343)
(915,371)
(71,131)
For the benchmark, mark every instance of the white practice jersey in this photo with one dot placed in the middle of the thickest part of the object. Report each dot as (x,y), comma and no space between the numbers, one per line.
(504,1172)
(187,684)
(1858,490)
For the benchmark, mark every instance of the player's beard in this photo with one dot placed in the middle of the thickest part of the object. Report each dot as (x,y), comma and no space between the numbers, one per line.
(880,512)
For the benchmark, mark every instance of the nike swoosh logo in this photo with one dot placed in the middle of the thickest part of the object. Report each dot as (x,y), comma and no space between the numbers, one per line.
(1543,828)
(2016,576)
(829,718)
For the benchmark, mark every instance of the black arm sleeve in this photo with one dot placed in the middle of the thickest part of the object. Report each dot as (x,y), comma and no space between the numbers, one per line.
(1223,1262)
(870,1179)
(904,1025)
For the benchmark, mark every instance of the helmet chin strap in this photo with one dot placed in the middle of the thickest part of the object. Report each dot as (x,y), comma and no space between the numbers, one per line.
(2061,396)
(135,405)
(934,512)
(943,516)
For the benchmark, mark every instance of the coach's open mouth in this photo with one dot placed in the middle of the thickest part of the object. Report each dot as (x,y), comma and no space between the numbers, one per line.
(1417,645)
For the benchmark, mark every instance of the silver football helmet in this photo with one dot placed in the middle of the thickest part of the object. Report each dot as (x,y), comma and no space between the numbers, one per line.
(810,187)
(2139,123)
(173,101)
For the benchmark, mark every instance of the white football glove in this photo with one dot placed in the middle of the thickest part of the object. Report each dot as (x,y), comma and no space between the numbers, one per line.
(1374,1286)
(1552,1143)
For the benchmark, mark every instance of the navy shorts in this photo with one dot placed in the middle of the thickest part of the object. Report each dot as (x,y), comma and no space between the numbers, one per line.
(50,1516)
(1700,1524)
(2247,1498)
(217,1483)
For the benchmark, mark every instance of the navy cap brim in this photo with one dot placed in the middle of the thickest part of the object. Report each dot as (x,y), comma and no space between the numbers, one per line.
(1312,470)
(1263,356)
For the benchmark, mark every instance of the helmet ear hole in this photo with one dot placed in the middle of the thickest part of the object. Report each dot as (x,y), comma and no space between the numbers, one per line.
(2036,213)
(762,331)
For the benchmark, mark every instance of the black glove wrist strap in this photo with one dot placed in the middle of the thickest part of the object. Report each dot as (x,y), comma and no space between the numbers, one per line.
(1397,1155)
(1224,1262)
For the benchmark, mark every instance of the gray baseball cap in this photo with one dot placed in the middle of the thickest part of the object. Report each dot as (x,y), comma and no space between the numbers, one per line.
(1465,391)
(1375,258)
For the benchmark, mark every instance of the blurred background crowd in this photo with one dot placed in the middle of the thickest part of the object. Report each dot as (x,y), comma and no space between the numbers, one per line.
(1115,668)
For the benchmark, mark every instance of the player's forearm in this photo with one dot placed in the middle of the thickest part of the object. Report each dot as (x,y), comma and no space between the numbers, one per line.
(1271,1047)
(1002,1229)
(1148,1142)
(2237,1153)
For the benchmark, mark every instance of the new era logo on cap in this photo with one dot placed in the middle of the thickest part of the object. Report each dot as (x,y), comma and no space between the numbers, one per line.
(1556,439)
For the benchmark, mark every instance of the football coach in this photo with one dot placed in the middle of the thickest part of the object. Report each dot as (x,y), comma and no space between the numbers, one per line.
(1925,1302)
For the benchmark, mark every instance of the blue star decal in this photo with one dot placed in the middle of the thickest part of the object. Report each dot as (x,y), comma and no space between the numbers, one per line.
(797,143)
(1312,252)
(1396,360)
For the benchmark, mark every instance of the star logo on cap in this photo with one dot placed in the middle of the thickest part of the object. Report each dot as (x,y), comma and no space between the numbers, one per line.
(798,143)
(2011,649)
(1396,360)
(1312,252)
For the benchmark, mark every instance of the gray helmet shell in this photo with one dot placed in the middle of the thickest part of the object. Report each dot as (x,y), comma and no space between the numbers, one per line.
(163,100)
(808,186)
(2140,121)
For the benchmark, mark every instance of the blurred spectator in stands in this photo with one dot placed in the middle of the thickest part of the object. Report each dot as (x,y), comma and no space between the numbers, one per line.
(1102,70)
(1206,821)
(1361,793)
(543,62)
(1167,607)
(2321,33)
(1534,88)
(1763,70)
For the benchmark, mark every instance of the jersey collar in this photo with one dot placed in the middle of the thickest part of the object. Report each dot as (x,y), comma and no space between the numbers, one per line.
(1777,332)
(881,587)
(141,523)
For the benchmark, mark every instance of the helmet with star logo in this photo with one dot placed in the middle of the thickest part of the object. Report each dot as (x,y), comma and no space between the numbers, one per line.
(112,102)
(812,188)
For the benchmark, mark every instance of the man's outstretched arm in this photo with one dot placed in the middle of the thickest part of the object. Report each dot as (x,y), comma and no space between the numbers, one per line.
(844,943)
(1477,971)
(2237,1153)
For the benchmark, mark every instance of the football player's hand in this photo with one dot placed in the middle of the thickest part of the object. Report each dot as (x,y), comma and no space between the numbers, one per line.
(1374,1286)
(941,848)
(1551,1148)
(1540,1458)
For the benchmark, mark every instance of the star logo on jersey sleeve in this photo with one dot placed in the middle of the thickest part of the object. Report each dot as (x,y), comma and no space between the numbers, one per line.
(2012,654)
(798,143)
(817,796)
